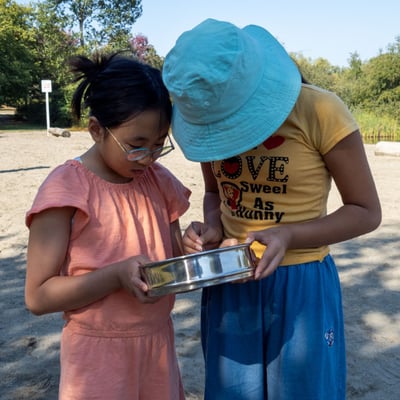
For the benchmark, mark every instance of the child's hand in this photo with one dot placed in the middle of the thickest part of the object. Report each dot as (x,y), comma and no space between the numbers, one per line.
(229,242)
(131,280)
(276,240)
(199,237)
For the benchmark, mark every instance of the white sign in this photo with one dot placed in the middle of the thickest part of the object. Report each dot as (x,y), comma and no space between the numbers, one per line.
(46,86)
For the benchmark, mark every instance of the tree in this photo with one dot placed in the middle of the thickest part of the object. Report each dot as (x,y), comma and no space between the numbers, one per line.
(53,46)
(99,22)
(355,64)
(37,41)
(16,60)
(145,52)
(318,72)
(379,88)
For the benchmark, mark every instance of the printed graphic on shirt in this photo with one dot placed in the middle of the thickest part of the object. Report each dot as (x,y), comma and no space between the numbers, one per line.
(330,337)
(257,179)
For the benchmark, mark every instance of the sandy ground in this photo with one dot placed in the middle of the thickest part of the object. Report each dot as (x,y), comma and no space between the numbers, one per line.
(369,270)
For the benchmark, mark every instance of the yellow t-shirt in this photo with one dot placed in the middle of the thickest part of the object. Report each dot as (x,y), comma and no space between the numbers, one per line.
(284,179)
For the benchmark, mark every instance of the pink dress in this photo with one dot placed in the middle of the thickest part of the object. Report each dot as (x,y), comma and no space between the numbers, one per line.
(116,348)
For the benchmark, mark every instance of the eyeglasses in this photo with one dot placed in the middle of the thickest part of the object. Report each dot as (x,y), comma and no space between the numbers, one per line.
(143,152)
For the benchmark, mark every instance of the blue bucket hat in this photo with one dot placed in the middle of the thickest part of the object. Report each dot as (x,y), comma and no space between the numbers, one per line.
(231,88)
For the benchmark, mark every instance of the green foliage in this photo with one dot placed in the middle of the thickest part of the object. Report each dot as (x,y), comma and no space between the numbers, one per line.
(371,89)
(54,45)
(16,60)
(36,42)
(378,87)
(36,46)
(319,72)
(99,23)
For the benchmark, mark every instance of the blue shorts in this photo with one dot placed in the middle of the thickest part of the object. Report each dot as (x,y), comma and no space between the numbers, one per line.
(281,338)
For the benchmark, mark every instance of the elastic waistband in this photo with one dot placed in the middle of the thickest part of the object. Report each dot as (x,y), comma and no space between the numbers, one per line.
(78,329)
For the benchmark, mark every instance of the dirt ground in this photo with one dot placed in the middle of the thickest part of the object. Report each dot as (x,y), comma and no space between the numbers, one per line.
(368,267)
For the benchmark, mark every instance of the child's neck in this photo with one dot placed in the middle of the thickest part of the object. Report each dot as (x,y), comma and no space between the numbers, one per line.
(94,162)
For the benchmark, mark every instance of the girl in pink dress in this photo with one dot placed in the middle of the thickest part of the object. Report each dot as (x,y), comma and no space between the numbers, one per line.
(94,221)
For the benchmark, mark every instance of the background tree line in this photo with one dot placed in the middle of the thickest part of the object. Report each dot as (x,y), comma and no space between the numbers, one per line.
(36,41)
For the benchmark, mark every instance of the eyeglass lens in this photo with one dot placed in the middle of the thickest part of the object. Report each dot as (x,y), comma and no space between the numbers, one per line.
(138,154)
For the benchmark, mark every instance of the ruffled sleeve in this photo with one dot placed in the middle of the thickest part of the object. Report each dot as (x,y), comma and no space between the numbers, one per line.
(65,186)
(175,194)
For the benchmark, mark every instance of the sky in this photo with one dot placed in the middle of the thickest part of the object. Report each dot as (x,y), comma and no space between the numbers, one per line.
(314,28)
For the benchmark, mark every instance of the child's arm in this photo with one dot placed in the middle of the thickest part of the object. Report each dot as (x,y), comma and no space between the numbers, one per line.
(176,239)
(46,291)
(359,214)
(208,234)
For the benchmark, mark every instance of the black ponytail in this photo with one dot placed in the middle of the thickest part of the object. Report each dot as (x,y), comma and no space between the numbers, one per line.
(116,88)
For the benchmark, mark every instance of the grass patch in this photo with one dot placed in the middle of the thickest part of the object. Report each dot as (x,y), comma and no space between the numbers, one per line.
(375,129)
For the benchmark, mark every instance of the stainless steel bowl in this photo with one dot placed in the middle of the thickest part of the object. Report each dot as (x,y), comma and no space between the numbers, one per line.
(199,270)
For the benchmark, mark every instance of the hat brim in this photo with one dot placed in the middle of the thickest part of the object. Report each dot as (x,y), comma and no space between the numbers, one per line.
(256,120)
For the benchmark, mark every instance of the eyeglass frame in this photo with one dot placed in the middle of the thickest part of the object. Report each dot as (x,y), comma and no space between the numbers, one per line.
(146,150)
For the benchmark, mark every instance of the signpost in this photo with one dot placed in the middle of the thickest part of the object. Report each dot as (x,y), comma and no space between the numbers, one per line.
(46,88)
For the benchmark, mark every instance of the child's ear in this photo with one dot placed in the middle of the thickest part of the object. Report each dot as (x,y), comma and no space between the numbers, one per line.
(95,129)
